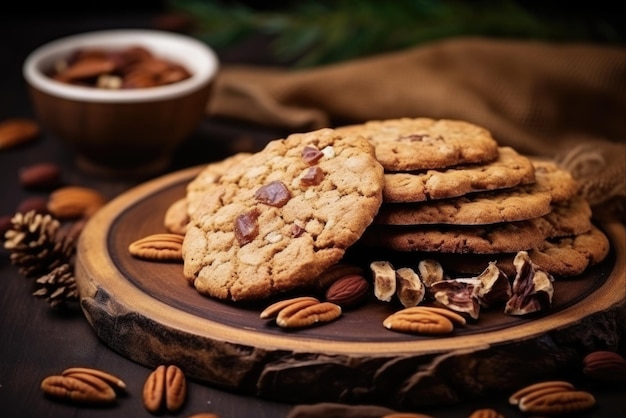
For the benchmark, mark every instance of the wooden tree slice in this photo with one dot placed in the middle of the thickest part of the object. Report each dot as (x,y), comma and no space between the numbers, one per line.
(148,312)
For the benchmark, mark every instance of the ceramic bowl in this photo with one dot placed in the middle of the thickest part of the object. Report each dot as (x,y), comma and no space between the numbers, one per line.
(122,131)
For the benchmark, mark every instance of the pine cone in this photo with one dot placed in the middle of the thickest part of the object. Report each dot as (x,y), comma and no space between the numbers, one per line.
(40,248)
(36,245)
(58,286)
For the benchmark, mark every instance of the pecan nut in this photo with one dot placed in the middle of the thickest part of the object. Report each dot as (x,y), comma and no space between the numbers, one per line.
(158,247)
(563,402)
(165,387)
(605,366)
(17,131)
(87,389)
(321,312)
(272,311)
(552,385)
(417,321)
(348,291)
(74,202)
(334,273)
(112,380)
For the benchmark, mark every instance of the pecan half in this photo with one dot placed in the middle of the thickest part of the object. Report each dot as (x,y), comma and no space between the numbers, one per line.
(75,202)
(605,366)
(17,131)
(309,315)
(348,291)
(113,381)
(158,247)
(165,387)
(555,385)
(40,176)
(272,311)
(89,390)
(565,402)
(417,321)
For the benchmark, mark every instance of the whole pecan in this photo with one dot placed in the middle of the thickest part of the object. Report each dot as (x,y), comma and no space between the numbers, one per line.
(348,291)
(605,366)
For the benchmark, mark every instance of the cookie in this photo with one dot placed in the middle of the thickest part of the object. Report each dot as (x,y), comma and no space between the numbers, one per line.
(208,177)
(562,257)
(509,169)
(407,144)
(280,217)
(556,180)
(487,239)
(176,217)
(568,218)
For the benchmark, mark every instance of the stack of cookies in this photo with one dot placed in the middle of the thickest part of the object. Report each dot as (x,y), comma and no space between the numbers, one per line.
(452,193)
(257,225)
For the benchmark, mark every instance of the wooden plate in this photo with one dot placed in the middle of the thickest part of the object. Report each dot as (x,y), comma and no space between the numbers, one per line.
(148,312)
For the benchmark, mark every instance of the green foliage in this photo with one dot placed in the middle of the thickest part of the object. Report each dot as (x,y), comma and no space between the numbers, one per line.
(309,33)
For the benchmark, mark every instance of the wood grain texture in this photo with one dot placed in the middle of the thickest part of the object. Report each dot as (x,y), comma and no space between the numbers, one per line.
(148,312)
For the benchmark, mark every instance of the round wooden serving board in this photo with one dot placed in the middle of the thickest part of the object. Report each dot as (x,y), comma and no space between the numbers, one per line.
(148,312)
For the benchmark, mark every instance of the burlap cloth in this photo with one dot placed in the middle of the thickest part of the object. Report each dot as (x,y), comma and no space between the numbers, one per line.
(562,101)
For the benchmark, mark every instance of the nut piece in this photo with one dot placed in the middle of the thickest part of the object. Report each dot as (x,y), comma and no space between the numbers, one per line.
(89,390)
(494,287)
(605,366)
(348,291)
(556,385)
(165,387)
(410,289)
(430,271)
(486,413)
(158,247)
(384,280)
(565,402)
(406,415)
(17,131)
(74,202)
(456,295)
(418,321)
(532,288)
(297,317)
(113,381)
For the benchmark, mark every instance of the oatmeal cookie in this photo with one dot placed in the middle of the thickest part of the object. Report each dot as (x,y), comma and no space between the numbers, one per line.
(422,143)
(277,219)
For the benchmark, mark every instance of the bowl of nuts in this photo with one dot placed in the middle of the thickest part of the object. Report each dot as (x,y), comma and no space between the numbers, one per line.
(122,100)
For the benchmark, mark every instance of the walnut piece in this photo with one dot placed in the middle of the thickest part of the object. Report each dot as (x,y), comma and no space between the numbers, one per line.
(532,288)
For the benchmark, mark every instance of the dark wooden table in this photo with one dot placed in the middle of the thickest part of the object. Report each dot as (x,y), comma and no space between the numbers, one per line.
(36,340)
